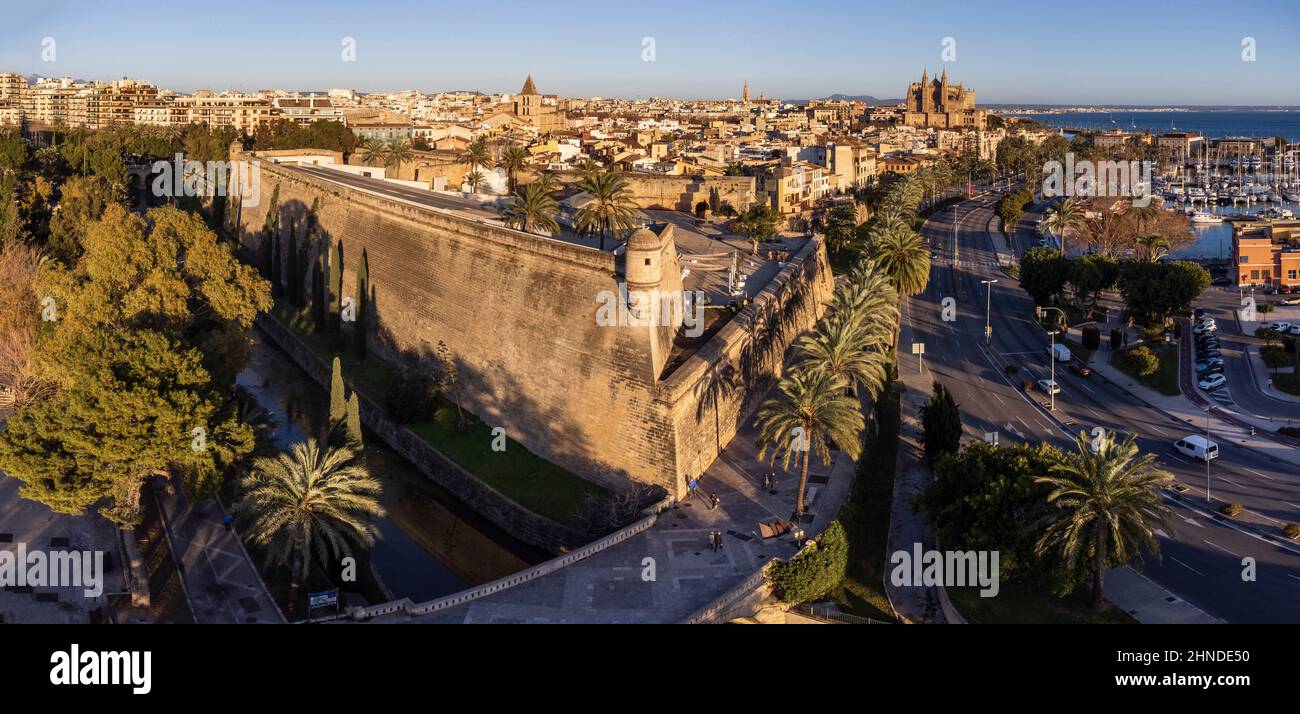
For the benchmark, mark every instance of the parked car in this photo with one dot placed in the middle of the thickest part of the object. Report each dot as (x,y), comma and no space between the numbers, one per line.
(1081,369)
(1213,381)
(1049,386)
(1295,330)
(1206,363)
(1197,447)
(1198,313)
(1202,329)
(1291,301)
(1283,290)
(1221,280)
(1279,326)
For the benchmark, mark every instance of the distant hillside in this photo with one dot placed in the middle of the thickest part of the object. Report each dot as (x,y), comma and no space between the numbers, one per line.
(860,98)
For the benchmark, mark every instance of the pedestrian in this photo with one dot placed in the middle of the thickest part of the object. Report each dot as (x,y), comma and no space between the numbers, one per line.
(227,519)
(716,501)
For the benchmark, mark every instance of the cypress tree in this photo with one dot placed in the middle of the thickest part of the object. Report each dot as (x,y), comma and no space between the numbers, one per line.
(336,286)
(942,422)
(319,294)
(294,280)
(354,421)
(277,290)
(338,398)
(363,299)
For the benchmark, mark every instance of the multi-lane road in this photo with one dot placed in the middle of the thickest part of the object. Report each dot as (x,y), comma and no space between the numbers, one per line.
(1203,553)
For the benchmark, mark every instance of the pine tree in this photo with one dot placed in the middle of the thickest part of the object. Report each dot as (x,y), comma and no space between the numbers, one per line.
(942,422)
(363,299)
(354,421)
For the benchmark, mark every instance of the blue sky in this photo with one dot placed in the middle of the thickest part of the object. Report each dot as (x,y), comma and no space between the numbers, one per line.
(1093,51)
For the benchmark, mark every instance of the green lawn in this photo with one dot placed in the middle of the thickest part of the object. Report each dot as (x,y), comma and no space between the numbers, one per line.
(1165,378)
(1018,604)
(1288,383)
(865,516)
(527,479)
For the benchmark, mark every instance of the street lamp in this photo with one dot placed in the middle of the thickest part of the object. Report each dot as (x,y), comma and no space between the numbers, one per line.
(1207,454)
(1051,390)
(988,305)
(1038,311)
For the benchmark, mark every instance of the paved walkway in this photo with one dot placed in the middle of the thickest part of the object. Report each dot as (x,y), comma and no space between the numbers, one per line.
(1149,603)
(221,584)
(34,524)
(609,587)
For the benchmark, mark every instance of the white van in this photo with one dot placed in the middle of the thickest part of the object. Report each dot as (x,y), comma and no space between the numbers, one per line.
(1197,447)
(1062,352)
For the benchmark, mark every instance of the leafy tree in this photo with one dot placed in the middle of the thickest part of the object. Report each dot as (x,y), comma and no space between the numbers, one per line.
(941,420)
(757,223)
(1156,290)
(812,407)
(1043,274)
(310,502)
(83,201)
(1109,502)
(150,334)
(987,498)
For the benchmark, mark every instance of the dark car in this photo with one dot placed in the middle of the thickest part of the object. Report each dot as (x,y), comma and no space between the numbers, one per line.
(1198,312)
(1081,369)
(1221,280)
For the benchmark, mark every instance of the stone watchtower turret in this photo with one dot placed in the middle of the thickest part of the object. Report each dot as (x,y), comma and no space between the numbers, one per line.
(654,288)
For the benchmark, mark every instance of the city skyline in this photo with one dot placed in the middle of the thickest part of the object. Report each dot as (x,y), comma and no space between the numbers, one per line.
(875,53)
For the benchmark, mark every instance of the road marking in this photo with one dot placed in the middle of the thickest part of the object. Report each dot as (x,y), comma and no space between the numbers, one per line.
(1234,483)
(1216,545)
(1085,388)
(1270,478)
(1185,565)
(1155,428)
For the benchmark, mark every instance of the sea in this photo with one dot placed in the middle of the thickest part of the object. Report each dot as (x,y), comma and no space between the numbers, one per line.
(1214,124)
(1212,241)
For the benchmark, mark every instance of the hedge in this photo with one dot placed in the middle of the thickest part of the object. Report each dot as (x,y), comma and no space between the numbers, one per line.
(816,571)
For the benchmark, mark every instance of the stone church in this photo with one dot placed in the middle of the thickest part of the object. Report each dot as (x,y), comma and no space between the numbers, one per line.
(935,104)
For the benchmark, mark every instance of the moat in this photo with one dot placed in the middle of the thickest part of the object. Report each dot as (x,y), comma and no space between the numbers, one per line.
(430,543)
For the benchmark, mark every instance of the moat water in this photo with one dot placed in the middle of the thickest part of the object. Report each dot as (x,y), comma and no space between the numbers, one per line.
(430,544)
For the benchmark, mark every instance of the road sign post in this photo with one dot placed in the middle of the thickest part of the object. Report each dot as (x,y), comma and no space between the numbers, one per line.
(918,349)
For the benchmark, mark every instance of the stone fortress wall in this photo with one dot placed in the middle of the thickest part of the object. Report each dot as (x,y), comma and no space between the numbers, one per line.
(518,313)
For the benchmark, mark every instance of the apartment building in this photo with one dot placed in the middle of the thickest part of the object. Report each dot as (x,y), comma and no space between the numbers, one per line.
(795,186)
(240,111)
(1267,256)
(850,165)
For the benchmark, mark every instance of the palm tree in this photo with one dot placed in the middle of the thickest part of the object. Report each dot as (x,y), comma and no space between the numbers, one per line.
(610,209)
(474,179)
(514,160)
(372,150)
(812,407)
(841,346)
(904,258)
(476,154)
(310,500)
(1068,214)
(1144,213)
(1154,246)
(399,152)
(1111,504)
(589,167)
(869,297)
(532,210)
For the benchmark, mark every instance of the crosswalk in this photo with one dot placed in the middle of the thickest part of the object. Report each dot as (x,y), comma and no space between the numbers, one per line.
(949,262)
(1221,395)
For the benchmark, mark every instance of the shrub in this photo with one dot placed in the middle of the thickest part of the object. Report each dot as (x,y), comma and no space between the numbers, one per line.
(1231,510)
(1011,370)
(816,571)
(1091,336)
(598,516)
(1291,530)
(412,397)
(1139,361)
(1116,338)
(1290,431)
(1275,357)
